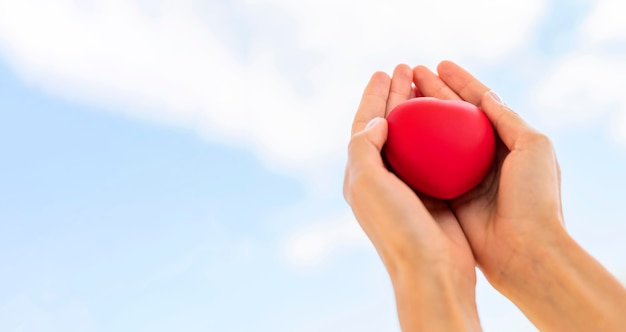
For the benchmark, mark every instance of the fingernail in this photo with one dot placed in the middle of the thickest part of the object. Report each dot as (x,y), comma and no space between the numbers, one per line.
(495,97)
(372,122)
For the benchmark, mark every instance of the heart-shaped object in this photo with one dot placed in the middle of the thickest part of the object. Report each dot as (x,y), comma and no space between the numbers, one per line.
(442,148)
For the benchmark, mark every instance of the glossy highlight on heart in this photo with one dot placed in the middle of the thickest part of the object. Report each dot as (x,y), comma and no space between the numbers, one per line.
(441,148)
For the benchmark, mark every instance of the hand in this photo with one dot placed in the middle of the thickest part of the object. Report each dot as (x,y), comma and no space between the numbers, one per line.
(514,222)
(420,241)
(518,204)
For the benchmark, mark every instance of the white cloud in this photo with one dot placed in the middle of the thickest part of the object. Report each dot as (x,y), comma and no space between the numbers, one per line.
(290,102)
(169,68)
(605,22)
(355,30)
(589,82)
(582,87)
(315,244)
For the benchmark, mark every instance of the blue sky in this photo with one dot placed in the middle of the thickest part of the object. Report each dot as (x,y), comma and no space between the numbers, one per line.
(177,165)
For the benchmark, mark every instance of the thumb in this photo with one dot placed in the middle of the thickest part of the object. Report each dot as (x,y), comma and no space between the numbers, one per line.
(376,132)
(366,145)
(506,122)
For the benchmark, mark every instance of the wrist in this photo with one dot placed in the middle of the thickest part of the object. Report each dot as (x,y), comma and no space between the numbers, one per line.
(560,287)
(528,256)
(533,263)
(434,298)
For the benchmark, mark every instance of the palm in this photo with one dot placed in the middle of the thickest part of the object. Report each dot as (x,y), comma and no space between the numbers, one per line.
(452,231)
(422,221)
(480,210)
(477,210)
(496,210)
(438,226)
(448,230)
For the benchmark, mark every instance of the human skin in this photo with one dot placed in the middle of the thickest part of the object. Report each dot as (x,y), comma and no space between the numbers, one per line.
(511,225)
(514,223)
(419,240)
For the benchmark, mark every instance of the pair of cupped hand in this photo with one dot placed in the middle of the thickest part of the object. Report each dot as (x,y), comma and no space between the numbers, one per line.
(516,208)
(510,225)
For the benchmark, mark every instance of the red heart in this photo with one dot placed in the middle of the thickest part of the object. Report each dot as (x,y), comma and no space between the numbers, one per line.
(442,148)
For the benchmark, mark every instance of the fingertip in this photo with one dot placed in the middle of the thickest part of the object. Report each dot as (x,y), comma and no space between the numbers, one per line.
(420,69)
(376,132)
(491,104)
(505,121)
(445,65)
(402,73)
(379,80)
(364,149)
(402,68)
(494,96)
(421,72)
(373,122)
(431,85)
(380,76)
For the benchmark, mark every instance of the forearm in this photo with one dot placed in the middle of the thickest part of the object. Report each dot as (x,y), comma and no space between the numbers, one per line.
(434,301)
(562,288)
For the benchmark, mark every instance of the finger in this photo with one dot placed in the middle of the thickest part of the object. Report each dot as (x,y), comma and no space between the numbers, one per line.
(507,123)
(461,82)
(430,85)
(374,101)
(401,88)
(365,146)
